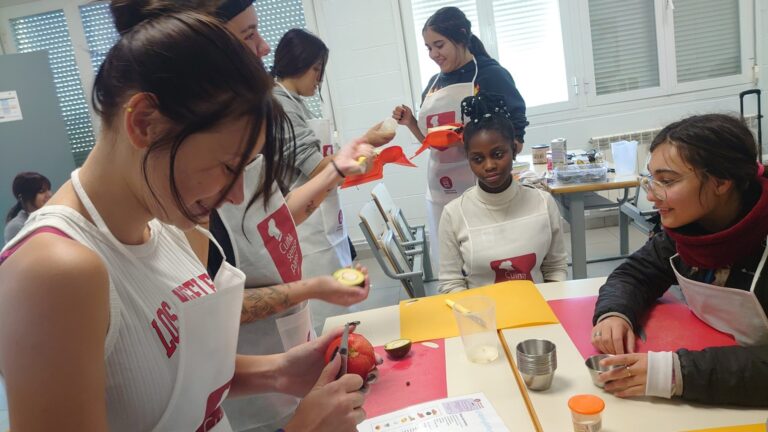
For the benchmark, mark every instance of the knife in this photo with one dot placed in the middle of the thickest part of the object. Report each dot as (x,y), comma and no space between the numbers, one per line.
(344,347)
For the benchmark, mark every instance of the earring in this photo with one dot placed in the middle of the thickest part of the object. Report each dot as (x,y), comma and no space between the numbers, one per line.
(127,108)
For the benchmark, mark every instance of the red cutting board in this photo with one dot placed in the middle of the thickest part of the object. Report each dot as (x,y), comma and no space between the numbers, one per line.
(419,377)
(669,326)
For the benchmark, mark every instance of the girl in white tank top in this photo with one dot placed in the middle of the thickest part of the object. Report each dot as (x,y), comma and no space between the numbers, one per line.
(108,321)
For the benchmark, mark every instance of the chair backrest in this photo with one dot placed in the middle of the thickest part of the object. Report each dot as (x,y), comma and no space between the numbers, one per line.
(373,220)
(383,199)
(396,256)
(391,212)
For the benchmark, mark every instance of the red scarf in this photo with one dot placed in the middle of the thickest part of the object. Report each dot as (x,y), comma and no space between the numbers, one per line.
(725,248)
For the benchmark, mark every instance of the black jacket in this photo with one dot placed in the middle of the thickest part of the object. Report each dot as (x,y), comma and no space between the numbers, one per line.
(722,375)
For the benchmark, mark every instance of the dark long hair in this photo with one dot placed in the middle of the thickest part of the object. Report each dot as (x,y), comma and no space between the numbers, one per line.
(453,24)
(297,51)
(715,145)
(199,76)
(26,186)
(487,111)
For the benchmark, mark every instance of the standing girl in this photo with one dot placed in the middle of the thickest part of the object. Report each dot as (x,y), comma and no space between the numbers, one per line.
(465,69)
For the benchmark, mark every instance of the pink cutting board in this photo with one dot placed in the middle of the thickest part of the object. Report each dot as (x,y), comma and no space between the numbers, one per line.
(669,326)
(419,377)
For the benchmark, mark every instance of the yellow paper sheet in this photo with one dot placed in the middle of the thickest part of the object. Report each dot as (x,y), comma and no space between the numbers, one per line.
(518,304)
(745,428)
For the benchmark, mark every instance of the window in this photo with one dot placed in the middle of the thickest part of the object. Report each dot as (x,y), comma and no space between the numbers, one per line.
(100,32)
(570,54)
(707,39)
(48,32)
(667,46)
(530,45)
(525,36)
(623,45)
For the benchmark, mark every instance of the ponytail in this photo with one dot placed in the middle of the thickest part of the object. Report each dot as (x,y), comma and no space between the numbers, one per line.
(476,47)
(13,212)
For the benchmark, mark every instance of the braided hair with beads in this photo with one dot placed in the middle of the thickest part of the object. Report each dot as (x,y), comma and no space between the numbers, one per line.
(487,112)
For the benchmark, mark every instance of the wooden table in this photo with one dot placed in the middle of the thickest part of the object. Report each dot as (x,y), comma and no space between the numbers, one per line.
(549,408)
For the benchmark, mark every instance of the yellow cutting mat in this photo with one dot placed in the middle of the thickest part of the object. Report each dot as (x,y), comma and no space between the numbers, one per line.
(745,428)
(518,304)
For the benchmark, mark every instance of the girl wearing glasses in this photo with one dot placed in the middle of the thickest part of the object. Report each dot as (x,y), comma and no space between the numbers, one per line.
(713,201)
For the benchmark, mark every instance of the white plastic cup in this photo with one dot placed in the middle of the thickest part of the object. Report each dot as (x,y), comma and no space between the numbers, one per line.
(476,319)
(624,158)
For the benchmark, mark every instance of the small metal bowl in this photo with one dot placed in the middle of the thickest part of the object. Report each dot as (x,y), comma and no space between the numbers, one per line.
(593,364)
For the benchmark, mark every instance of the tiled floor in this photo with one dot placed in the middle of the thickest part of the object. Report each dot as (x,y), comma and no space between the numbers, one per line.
(603,242)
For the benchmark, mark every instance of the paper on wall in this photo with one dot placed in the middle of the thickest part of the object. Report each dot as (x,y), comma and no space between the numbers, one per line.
(10,109)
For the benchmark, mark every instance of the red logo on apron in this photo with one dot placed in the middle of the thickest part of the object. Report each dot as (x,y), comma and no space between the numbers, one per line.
(439,119)
(327,150)
(517,268)
(279,236)
(446,182)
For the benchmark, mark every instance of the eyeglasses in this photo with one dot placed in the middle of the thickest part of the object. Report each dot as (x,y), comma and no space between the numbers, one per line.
(658,188)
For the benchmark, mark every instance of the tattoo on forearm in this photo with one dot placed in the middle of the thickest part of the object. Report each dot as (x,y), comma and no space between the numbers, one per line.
(260,303)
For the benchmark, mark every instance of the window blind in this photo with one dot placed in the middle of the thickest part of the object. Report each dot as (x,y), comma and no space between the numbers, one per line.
(48,32)
(530,45)
(707,39)
(624,47)
(99,29)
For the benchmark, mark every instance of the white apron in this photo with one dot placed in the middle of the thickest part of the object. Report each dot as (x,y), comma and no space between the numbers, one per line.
(209,328)
(517,257)
(730,310)
(270,255)
(323,234)
(448,172)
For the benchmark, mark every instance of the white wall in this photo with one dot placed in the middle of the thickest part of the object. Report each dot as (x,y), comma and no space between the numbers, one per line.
(367,77)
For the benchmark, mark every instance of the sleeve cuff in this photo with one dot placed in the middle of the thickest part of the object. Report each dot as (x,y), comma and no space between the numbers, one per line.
(616,314)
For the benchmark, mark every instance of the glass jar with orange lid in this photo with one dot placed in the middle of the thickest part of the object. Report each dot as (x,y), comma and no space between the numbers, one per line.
(586,411)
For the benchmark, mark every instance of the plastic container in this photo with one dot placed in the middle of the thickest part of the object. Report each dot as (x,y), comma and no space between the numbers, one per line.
(539,153)
(583,173)
(586,412)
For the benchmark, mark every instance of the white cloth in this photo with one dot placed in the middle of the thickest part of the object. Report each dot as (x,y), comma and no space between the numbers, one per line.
(658,381)
(487,238)
(729,310)
(170,346)
(448,172)
(269,254)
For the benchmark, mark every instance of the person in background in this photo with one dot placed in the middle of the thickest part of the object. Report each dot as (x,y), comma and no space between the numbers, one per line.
(497,230)
(135,323)
(299,68)
(465,69)
(712,196)
(31,191)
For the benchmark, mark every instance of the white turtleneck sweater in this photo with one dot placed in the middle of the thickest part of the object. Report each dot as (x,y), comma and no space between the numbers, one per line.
(476,208)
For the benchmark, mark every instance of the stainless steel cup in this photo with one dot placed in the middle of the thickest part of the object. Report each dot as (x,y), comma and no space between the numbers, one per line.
(537,361)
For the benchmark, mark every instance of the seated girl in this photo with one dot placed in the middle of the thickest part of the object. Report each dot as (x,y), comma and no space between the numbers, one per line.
(497,230)
(713,200)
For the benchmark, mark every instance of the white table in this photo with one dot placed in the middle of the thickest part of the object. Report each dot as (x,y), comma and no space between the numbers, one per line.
(625,415)
(550,407)
(463,377)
